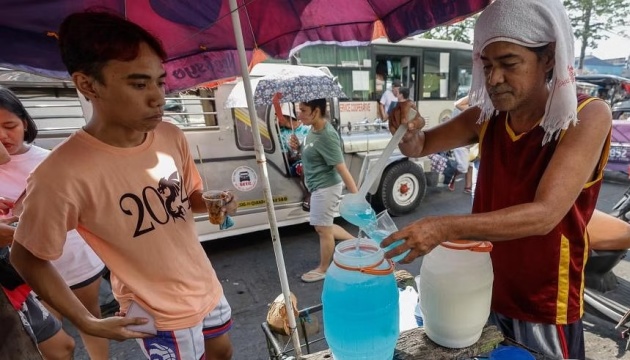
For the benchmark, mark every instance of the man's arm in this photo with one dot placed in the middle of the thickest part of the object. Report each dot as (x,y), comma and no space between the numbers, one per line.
(44,279)
(571,167)
(381,110)
(461,130)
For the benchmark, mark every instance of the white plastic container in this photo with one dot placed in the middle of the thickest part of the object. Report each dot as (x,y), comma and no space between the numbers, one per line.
(456,290)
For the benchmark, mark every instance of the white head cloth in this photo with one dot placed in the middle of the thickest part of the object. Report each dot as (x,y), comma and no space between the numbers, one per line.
(530,23)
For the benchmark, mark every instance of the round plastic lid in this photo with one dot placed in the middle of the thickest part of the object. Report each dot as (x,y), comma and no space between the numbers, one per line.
(511,353)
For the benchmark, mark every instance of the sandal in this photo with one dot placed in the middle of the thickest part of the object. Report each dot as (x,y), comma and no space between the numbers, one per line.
(468,190)
(313,276)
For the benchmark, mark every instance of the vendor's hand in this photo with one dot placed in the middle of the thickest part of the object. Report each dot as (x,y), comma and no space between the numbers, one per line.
(115,328)
(400,115)
(231,204)
(420,237)
(6,205)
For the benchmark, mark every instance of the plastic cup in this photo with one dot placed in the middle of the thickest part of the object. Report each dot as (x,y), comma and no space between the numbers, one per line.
(215,202)
(384,227)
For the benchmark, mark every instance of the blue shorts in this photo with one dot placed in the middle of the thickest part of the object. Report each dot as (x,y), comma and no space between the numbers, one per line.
(188,344)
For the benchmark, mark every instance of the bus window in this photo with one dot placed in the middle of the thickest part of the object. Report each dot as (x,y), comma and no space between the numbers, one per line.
(244,133)
(435,78)
(462,66)
(352,66)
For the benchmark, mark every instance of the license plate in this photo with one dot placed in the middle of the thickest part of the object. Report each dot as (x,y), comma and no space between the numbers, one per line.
(619,153)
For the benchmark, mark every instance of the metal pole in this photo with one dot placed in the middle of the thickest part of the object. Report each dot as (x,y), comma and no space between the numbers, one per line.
(262,164)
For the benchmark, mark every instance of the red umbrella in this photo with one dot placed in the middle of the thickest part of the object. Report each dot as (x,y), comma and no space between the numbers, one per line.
(198,35)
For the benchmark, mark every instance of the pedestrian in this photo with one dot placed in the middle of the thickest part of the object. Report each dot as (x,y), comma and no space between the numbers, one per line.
(324,172)
(78,265)
(458,164)
(128,183)
(388,100)
(539,177)
(290,125)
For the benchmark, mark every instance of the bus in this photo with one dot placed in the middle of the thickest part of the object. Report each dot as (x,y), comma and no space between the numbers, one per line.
(437,73)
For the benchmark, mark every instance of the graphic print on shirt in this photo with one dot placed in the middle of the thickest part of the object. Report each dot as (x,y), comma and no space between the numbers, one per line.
(172,184)
(156,205)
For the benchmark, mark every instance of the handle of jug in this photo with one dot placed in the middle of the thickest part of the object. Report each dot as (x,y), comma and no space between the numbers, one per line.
(373,270)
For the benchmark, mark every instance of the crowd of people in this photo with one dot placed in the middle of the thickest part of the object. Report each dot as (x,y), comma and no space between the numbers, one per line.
(522,111)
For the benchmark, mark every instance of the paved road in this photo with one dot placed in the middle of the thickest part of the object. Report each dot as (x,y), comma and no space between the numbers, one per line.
(246,267)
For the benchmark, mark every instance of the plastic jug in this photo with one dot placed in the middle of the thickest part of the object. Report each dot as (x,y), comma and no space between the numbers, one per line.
(360,303)
(456,291)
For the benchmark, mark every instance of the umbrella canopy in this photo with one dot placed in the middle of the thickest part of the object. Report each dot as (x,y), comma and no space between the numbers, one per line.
(198,35)
(205,40)
(295,83)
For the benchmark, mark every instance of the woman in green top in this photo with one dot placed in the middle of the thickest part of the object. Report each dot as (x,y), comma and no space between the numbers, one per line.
(325,173)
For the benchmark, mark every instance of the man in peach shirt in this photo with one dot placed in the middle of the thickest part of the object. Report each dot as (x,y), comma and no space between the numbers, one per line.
(127,182)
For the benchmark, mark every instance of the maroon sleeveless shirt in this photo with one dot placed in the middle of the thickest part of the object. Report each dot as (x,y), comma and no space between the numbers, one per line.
(537,278)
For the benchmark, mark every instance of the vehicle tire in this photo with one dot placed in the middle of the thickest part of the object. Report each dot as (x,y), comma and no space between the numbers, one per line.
(402,188)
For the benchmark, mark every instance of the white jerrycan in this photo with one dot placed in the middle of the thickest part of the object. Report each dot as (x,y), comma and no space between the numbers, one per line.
(456,290)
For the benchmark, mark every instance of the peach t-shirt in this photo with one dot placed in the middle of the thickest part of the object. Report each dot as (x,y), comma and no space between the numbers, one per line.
(131,206)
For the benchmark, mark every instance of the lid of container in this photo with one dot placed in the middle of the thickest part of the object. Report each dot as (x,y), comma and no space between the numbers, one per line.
(511,353)
(476,246)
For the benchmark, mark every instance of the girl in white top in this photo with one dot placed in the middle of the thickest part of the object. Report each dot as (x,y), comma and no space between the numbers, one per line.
(79,266)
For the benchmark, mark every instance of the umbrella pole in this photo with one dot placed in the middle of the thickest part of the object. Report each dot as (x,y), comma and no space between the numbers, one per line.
(262,163)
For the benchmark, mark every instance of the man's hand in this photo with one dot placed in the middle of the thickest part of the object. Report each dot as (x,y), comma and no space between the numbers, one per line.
(231,204)
(420,237)
(412,142)
(115,328)
(401,115)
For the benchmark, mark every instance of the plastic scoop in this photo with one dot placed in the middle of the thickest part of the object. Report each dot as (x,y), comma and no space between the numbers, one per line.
(354,208)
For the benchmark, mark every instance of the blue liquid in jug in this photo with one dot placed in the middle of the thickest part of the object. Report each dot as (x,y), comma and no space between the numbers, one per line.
(380,235)
(360,315)
(361,215)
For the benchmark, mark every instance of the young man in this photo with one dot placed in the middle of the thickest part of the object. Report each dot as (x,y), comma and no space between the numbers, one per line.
(127,182)
(389,99)
(539,176)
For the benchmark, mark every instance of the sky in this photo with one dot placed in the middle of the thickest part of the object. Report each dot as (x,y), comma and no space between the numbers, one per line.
(614,47)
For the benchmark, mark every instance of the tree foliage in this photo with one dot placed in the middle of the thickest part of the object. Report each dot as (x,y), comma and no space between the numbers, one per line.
(592,19)
(460,31)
